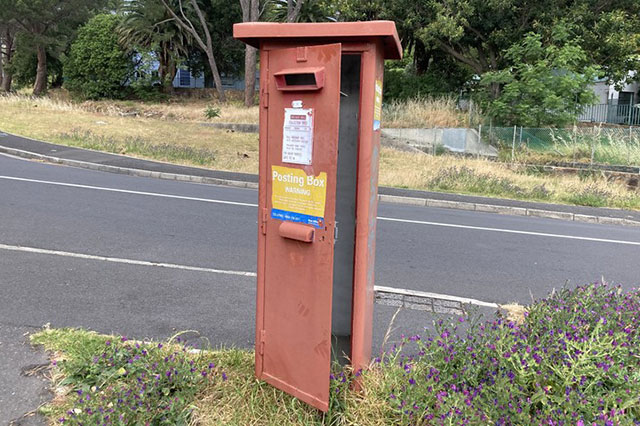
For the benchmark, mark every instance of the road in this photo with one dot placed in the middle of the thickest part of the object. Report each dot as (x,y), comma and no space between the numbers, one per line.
(75,247)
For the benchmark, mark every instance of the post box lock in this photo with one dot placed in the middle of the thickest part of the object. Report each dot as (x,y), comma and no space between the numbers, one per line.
(300,79)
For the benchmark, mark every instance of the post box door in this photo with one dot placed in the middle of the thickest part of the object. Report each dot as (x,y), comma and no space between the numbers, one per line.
(303,90)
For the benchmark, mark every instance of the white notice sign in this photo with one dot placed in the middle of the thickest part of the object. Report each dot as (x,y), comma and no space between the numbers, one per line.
(297,136)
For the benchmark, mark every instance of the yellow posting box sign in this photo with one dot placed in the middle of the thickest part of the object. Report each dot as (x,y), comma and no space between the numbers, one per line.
(298,197)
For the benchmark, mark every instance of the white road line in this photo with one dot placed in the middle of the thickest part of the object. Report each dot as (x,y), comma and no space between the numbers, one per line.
(510,231)
(126,191)
(399,291)
(419,222)
(438,296)
(125,261)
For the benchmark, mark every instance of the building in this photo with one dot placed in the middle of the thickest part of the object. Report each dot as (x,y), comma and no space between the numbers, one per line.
(614,106)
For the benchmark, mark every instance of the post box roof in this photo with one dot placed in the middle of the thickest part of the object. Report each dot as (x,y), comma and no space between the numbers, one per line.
(254,32)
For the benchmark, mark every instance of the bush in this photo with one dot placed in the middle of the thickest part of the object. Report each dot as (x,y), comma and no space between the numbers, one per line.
(400,85)
(97,67)
(573,360)
(133,383)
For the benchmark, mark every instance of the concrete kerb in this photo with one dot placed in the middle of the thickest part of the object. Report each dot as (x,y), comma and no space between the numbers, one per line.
(413,201)
(508,210)
(128,171)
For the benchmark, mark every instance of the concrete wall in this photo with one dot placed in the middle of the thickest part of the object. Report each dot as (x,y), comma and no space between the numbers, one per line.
(466,141)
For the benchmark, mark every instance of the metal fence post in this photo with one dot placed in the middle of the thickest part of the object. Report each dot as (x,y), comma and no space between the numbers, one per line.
(479,138)
(513,145)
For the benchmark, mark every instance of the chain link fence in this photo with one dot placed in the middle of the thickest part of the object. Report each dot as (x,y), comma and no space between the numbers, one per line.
(594,145)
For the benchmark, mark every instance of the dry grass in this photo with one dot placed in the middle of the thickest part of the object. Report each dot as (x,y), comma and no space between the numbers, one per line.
(174,109)
(423,113)
(63,122)
(183,141)
(482,177)
(514,312)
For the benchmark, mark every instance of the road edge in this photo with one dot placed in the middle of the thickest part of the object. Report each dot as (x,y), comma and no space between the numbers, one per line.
(393,199)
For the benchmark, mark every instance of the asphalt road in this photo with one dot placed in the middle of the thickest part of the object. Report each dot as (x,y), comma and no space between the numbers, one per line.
(76,212)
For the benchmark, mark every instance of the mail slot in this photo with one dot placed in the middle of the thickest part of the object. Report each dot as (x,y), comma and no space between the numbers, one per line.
(320,111)
(300,79)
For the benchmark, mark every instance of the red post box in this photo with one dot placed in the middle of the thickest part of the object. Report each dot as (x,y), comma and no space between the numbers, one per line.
(320,110)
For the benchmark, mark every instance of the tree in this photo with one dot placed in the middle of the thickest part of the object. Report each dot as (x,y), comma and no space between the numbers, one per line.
(250,13)
(147,25)
(181,15)
(302,11)
(98,67)
(46,22)
(7,50)
(547,83)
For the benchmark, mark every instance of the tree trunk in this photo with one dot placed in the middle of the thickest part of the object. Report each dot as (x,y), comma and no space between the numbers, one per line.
(5,59)
(41,74)
(171,74)
(421,57)
(293,11)
(207,47)
(216,75)
(250,13)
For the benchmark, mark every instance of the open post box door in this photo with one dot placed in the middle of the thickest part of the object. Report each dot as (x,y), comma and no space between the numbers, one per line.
(302,99)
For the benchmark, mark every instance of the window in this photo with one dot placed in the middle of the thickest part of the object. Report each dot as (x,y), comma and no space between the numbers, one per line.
(185,78)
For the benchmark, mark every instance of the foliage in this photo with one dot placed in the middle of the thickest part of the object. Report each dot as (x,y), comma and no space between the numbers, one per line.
(405,83)
(465,179)
(570,359)
(98,67)
(546,83)
(124,382)
(310,11)
(211,112)
(146,26)
(573,360)
(25,62)
(49,25)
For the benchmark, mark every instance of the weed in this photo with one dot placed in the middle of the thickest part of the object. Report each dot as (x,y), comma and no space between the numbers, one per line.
(211,112)
(466,179)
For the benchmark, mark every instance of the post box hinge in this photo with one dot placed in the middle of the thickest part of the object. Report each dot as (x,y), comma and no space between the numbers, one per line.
(265,98)
(263,221)
(263,335)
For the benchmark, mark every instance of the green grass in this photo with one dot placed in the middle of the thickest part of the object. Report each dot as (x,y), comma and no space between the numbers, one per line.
(571,358)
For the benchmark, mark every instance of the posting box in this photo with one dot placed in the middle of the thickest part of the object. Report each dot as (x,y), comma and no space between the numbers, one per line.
(320,111)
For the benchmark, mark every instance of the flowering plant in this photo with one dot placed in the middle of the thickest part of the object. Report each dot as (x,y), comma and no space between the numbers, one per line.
(573,360)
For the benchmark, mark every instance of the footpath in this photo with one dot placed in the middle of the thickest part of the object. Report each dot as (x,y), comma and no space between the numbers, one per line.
(102,161)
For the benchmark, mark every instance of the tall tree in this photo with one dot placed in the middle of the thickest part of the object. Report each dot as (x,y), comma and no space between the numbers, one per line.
(147,25)
(293,9)
(250,13)
(7,49)
(185,15)
(46,22)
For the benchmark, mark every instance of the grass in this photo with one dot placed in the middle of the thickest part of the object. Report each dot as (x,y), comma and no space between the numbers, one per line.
(236,398)
(423,113)
(571,358)
(482,177)
(596,145)
(171,132)
(100,126)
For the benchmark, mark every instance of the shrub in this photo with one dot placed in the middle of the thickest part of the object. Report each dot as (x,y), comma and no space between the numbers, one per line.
(211,112)
(97,67)
(133,383)
(574,360)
